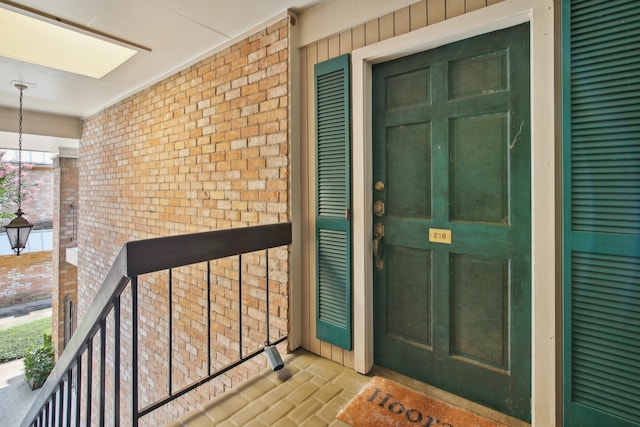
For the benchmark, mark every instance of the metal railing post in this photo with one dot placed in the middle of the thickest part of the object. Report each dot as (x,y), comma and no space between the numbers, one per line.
(116,362)
(170,331)
(134,351)
(103,371)
(266,274)
(208,317)
(89,379)
(240,306)
(78,389)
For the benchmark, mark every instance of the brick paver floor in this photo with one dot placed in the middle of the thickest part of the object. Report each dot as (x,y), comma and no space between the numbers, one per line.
(309,391)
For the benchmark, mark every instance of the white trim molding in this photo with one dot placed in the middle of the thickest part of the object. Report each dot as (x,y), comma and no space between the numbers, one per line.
(333,16)
(540,15)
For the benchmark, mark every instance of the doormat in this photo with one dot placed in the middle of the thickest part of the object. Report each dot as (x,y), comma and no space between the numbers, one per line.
(383,402)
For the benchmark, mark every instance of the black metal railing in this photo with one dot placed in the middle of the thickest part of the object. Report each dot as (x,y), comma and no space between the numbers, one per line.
(67,398)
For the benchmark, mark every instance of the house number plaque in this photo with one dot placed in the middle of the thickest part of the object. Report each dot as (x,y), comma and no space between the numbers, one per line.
(439,235)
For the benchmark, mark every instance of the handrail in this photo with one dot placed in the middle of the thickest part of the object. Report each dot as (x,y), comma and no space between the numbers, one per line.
(141,257)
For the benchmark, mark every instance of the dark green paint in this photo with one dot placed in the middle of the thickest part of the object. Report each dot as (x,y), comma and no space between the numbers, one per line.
(601,212)
(333,201)
(451,142)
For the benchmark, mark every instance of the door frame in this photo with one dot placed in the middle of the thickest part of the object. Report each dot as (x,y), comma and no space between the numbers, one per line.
(544,286)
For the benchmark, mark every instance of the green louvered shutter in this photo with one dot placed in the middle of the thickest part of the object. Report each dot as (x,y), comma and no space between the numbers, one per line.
(601,193)
(333,202)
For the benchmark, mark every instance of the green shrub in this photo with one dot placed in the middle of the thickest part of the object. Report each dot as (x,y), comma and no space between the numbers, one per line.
(16,341)
(39,363)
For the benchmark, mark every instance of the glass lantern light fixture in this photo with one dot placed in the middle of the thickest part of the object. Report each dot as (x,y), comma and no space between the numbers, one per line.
(19,228)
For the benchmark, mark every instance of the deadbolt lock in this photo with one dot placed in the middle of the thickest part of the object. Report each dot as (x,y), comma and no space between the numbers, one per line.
(378,208)
(379,186)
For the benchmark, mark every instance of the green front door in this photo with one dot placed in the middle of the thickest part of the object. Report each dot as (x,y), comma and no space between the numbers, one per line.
(452,218)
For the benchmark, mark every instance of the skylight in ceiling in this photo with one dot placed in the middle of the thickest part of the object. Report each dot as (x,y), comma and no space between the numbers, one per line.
(38,42)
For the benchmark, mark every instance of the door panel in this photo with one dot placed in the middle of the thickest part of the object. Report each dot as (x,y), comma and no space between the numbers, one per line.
(409,194)
(410,281)
(481,310)
(479,193)
(479,75)
(451,147)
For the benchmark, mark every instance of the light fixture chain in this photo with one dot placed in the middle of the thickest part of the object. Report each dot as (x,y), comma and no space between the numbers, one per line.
(20,154)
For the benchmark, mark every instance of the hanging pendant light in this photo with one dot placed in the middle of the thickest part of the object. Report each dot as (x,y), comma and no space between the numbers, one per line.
(19,228)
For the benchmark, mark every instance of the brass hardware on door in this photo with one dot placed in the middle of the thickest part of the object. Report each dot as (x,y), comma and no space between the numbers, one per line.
(346,214)
(440,235)
(378,208)
(377,236)
(379,186)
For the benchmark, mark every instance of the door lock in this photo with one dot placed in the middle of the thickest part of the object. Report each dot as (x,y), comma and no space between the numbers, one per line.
(378,208)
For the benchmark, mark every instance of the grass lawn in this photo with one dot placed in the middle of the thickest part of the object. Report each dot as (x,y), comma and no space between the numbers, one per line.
(16,340)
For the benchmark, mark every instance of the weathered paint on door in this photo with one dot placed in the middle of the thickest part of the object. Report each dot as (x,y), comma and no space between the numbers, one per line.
(452,222)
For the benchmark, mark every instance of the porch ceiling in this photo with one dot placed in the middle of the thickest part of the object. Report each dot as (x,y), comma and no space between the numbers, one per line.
(177,32)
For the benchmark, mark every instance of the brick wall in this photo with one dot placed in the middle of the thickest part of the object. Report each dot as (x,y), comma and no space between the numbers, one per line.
(65,190)
(202,150)
(38,208)
(25,278)
(28,277)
